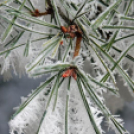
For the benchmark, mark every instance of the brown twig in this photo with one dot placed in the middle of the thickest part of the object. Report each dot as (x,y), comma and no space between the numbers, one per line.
(36,13)
(78,45)
(74,31)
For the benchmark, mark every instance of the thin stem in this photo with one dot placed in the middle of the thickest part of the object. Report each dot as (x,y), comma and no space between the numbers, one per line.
(57,89)
(78,46)
(66,114)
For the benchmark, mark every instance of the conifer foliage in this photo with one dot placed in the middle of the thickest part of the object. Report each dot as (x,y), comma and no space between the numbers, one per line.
(56,37)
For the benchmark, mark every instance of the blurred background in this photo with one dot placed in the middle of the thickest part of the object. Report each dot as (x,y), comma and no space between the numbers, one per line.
(11,91)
